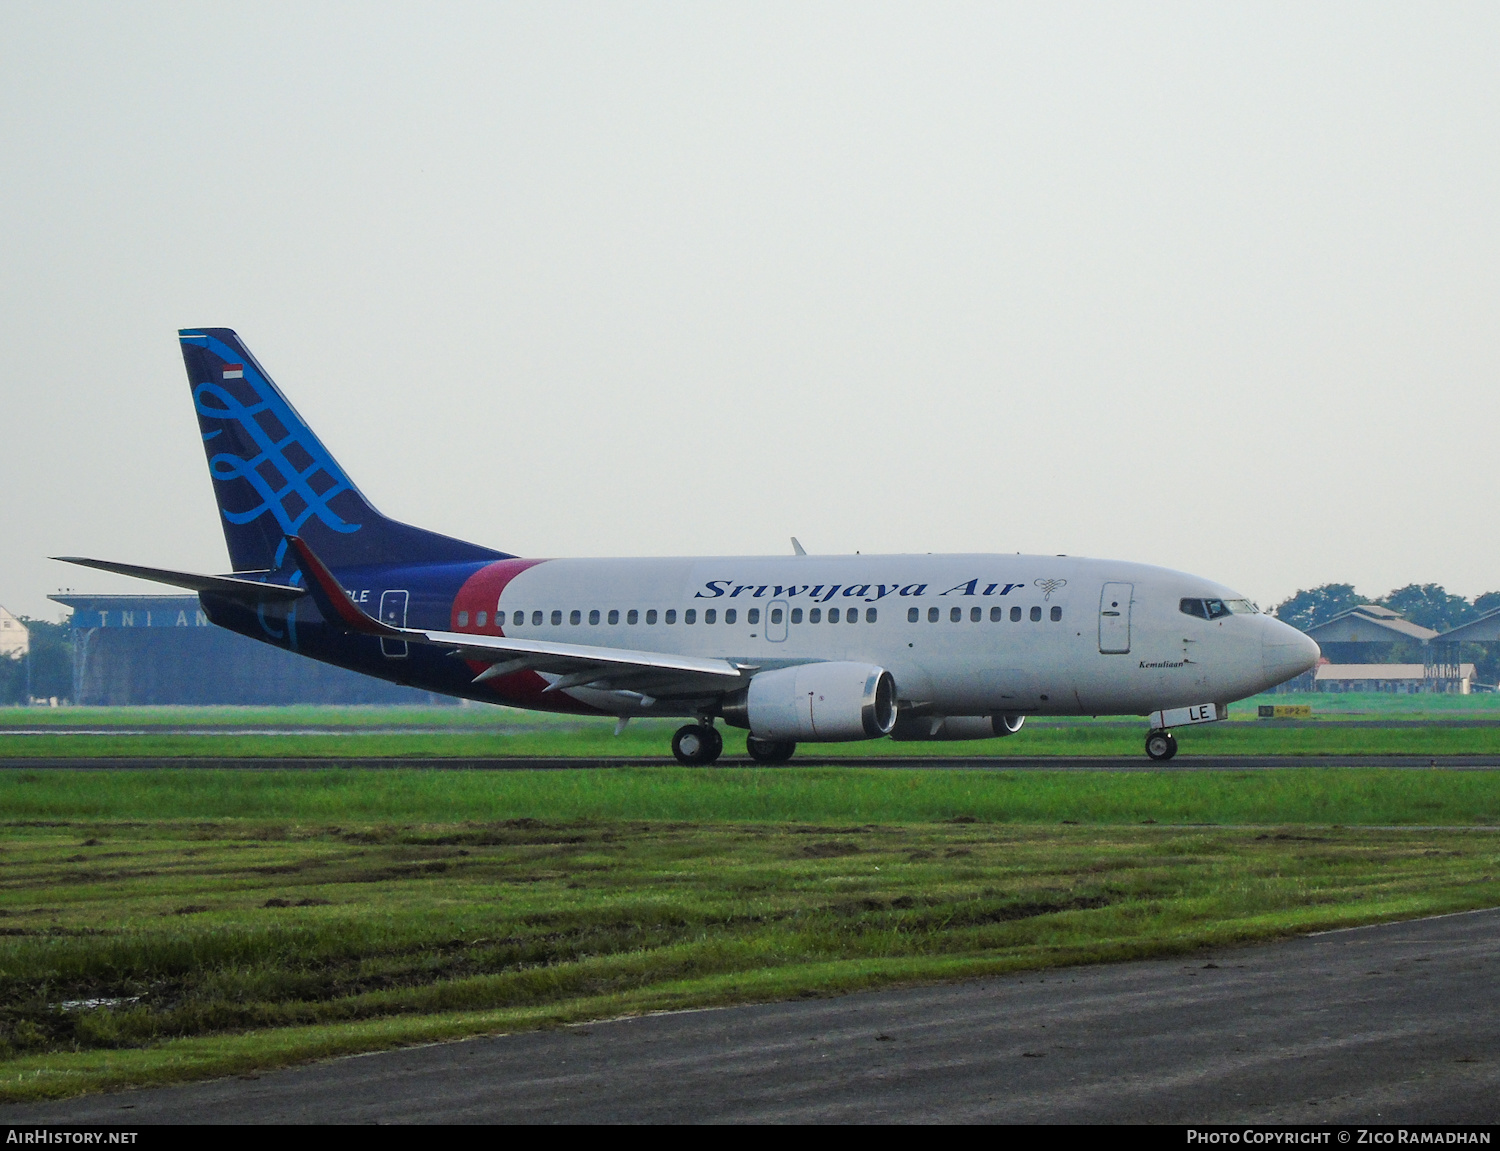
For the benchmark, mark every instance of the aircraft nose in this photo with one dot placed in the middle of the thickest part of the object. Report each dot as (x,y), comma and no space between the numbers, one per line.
(1286,652)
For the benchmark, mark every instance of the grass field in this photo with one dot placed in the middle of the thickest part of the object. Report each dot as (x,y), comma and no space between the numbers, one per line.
(652,739)
(1344,725)
(165,925)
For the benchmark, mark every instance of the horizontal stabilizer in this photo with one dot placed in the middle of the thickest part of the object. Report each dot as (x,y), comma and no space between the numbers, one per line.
(244,590)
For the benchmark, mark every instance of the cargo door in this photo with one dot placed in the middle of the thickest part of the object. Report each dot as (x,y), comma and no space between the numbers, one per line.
(1114,619)
(393,613)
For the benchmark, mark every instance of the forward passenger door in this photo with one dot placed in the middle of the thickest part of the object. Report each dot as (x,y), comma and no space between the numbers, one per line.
(1114,619)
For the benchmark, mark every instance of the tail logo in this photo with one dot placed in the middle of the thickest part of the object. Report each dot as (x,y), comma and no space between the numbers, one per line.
(290,473)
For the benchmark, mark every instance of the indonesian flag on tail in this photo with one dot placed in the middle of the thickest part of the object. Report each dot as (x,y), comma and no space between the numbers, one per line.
(234,371)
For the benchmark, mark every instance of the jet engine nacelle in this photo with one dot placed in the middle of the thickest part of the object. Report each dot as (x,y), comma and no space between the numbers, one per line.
(816,702)
(956,727)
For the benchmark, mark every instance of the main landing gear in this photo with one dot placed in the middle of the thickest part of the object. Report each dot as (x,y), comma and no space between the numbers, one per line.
(1161,744)
(769,751)
(697,745)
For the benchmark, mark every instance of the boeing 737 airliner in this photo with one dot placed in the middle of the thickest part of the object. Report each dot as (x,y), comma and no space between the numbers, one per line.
(793,649)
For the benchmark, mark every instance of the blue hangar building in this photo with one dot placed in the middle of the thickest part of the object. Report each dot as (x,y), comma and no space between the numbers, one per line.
(161,649)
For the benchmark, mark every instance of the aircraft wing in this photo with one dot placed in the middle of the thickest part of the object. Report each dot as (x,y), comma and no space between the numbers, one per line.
(579,665)
(231,587)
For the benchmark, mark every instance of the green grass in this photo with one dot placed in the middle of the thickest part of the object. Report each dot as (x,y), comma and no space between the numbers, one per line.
(1343,725)
(1326,706)
(242,920)
(1380,705)
(1307,795)
(318,715)
(651,739)
(234,944)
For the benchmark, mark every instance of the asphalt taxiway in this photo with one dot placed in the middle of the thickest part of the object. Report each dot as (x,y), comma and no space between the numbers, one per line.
(1396,1023)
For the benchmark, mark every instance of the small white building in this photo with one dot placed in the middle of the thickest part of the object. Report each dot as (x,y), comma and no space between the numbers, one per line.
(15,640)
(1401,678)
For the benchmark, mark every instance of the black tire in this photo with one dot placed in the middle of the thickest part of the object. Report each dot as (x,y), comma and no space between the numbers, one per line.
(696,745)
(769,751)
(1161,745)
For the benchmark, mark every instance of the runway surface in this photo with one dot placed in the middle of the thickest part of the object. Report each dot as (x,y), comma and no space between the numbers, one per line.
(574,763)
(1394,1023)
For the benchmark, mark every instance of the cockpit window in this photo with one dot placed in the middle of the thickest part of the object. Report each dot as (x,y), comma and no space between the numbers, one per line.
(1207,608)
(1242,607)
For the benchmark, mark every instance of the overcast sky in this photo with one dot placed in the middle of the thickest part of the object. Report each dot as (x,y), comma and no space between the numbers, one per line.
(1203,285)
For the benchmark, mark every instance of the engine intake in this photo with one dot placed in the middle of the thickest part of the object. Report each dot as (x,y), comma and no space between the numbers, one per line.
(816,702)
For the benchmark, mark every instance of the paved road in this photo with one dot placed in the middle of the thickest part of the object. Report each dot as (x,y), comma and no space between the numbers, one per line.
(1396,1023)
(570,763)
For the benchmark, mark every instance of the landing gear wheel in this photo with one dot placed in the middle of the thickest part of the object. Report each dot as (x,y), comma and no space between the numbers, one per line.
(1161,745)
(696,745)
(769,751)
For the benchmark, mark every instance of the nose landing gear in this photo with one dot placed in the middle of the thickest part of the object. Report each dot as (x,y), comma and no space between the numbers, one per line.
(1161,744)
(697,745)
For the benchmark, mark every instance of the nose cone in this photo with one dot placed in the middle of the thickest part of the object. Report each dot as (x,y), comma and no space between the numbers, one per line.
(1285,652)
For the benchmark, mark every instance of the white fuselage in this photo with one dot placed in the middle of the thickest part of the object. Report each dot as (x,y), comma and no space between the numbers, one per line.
(961,634)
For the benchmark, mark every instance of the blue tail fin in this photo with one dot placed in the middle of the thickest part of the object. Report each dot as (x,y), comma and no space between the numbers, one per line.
(273,478)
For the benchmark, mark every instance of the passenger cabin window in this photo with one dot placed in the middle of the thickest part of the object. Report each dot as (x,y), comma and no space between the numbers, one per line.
(481,618)
(594,616)
(753,615)
(633,616)
(869,615)
(671,616)
(851,615)
(974,614)
(710,616)
(997,614)
(955,614)
(690,616)
(775,615)
(651,615)
(814,616)
(575,616)
(614,615)
(520,617)
(1036,614)
(536,619)
(1015,615)
(463,619)
(913,614)
(932,615)
(729,615)
(556,618)
(1056,614)
(796,615)
(833,615)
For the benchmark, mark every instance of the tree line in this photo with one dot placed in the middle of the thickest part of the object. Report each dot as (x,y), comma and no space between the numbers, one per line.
(50,665)
(1428,605)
